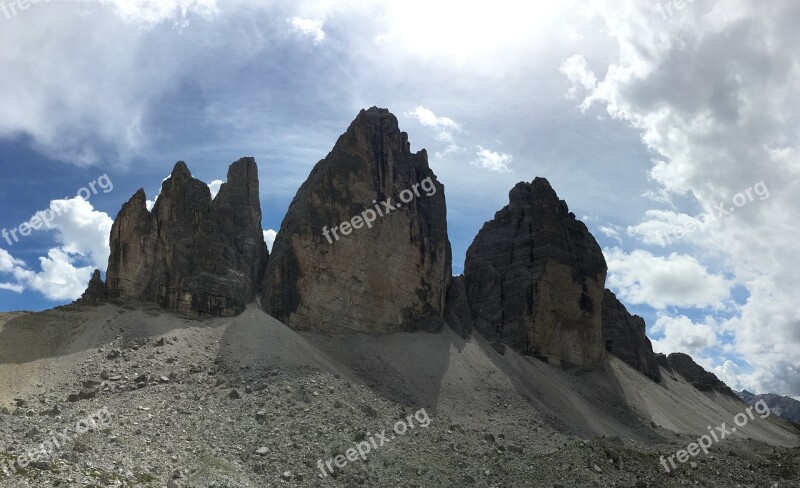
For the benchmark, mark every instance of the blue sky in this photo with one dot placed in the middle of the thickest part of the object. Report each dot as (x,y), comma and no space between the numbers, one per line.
(642,118)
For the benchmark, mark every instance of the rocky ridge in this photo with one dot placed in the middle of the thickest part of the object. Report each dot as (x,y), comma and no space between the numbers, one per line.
(696,375)
(782,406)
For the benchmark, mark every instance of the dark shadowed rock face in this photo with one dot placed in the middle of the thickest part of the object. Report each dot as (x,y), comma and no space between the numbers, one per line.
(389,276)
(698,377)
(457,311)
(96,293)
(191,254)
(663,362)
(535,277)
(625,337)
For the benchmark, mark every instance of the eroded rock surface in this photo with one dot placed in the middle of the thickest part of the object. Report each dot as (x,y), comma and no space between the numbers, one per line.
(535,277)
(388,275)
(703,380)
(96,293)
(625,337)
(191,254)
(458,314)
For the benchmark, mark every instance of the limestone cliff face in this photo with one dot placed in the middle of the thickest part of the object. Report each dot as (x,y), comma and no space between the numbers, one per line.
(191,254)
(625,337)
(534,278)
(390,275)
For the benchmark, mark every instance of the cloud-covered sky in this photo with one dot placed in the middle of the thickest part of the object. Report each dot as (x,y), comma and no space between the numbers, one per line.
(669,127)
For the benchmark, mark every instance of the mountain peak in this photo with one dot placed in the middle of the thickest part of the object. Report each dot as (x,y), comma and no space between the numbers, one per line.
(189,255)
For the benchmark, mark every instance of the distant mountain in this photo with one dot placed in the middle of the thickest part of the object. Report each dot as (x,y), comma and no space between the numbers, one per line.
(782,406)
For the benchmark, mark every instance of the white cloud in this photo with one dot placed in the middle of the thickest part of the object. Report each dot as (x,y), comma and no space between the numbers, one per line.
(60,278)
(308,27)
(153,12)
(665,227)
(12,287)
(444,128)
(677,280)
(82,234)
(47,98)
(492,160)
(730,373)
(81,230)
(576,70)
(269,238)
(214,187)
(8,262)
(713,90)
(683,335)
(610,232)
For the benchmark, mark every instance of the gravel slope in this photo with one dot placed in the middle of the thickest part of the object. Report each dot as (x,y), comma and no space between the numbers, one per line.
(248,402)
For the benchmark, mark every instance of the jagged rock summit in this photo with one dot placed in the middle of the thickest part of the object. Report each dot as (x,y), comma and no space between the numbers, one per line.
(191,254)
(535,277)
(625,337)
(96,292)
(345,261)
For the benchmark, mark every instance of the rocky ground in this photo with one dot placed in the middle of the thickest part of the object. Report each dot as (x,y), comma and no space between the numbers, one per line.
(202,423)
(236,404)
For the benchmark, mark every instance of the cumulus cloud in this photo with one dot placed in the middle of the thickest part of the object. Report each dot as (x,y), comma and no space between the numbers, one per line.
(492,160)
(712,89)
(677,280)
(680,334)
(444,127)
(308,27)
(60,278)
(8,262)
(576,70)
(12,287)
(81,230)
(82,234)
(610,232)
(269,238)
(214,186)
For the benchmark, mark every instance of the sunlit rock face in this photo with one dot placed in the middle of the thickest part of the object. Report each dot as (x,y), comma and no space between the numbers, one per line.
(388,275)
